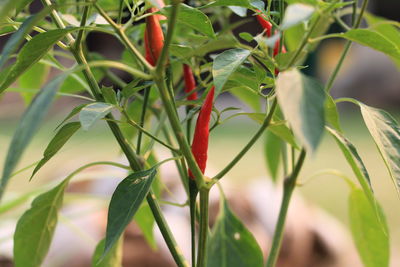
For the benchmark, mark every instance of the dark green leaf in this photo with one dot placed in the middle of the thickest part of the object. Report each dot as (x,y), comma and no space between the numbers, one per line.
(31,53)
(370,232)
(355,161)
(386,133)
(58,141)
(302,102)
(113,258)
(19,36)
(232,244)
(126,200)
(73,112)
(331,113)
(35,229)
(225,64)
(92,113)
(27,127)
(109,95)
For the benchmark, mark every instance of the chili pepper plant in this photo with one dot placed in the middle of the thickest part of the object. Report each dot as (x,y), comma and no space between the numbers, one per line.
(180,57)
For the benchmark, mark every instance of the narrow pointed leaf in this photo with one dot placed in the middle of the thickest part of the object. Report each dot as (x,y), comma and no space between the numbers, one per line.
(126,200)
(113,258)
(27,127)
(35,228)
(225,64)
(302,102)
(58,141)
(232,244)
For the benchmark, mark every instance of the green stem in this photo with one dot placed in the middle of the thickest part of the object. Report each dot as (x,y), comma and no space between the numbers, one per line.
(252,141)
(203,231)
(142,118)
(288,187)
(346,49)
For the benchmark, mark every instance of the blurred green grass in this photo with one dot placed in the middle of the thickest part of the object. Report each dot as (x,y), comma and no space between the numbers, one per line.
(327,191)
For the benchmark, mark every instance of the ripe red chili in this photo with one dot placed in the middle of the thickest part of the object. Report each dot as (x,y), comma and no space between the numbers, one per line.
(153,37)
(201,133)
(190,83)
(268,27)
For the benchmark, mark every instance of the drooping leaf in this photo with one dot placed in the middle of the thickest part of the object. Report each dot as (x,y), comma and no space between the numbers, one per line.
(27,127)
(231,244)
(302,102)
(35,229)
(31,53)
(225,64)
(109,95)
(126,200)
(370,232)
(112,259)
(385,131)
(295,14)
(91,113)
(58,141)
(19,36)
(331,113)
(272,152)
(355,162)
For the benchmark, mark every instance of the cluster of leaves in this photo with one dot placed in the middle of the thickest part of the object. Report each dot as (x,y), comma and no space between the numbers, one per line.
(305,109)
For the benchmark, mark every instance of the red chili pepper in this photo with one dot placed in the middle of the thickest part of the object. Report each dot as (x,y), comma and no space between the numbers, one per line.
(201,133)
(268,27)
(190,83)
(153,37)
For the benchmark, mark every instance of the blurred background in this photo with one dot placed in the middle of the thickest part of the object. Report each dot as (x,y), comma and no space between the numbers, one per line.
(367,76)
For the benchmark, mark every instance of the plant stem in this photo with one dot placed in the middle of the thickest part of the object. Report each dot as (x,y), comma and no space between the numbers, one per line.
(346,49)
(203,231)
(288,187)
(252,141)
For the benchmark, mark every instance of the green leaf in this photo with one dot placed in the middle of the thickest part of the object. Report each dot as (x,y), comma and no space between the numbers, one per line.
(355,162)
(331,113)
(6,6)
(27,127)
(126,200)
(35,228)
(195,19)
(295,14)
(145,220)
(21,4)
(113,258)
(33,79)
(225,64)
(386,133)
(58,141)
(370,233)
(31,53)
(109,95)
(91,113)
(231,244)
(73,112)
(272,152)
(373,40)
(284,133)
(302,102)
(247,96)
(19,36)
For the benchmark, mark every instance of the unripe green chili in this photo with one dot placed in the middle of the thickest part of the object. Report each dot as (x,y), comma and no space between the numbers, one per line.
(201,132)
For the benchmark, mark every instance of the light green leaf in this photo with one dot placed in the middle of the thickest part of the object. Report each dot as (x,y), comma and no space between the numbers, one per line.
(386,133)
(145,220)
(91,113)
(33,79)
(302,102)
(126,200)
(35,228)
(73,112)
(370,232)
(272,152)
(374,40)
(113,258)
(225,64)
(27,127)
(295,14)
(331,113)
(283,132)
(31,53)
(58,141)
(6,6)
(231,244)
(109,95)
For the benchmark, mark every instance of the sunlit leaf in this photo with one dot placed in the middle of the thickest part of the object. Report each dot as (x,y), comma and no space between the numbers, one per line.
(91,113)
